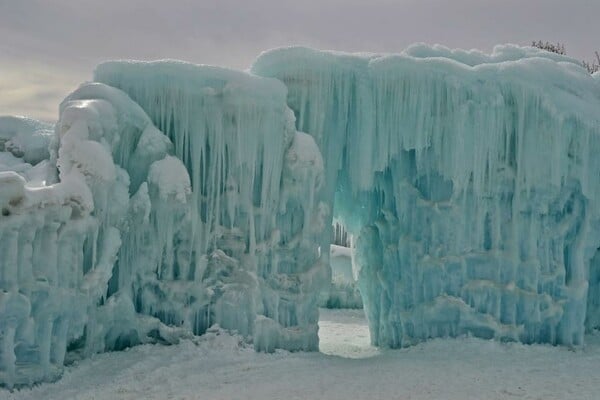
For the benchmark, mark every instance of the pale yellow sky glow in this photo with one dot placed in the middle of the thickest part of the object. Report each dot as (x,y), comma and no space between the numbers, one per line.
(35,89)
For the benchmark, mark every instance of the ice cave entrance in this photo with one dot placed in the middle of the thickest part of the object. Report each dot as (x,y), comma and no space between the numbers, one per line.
(343,327)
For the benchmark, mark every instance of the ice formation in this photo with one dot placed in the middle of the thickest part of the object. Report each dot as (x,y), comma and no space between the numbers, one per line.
(63,224)
(191,206)
(343,292)
(470,181)
(171,197)
(248,247)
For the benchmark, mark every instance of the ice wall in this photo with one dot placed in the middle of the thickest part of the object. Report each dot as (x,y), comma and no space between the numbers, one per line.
(254,217)
(61,228)
(471,181)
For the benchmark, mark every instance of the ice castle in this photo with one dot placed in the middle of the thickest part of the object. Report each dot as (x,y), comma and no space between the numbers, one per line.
(170,197)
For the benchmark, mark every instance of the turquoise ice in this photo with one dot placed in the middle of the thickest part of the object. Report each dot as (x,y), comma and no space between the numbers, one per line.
(171,197)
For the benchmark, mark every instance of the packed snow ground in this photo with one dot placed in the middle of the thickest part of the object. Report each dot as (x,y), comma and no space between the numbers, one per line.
(218,366)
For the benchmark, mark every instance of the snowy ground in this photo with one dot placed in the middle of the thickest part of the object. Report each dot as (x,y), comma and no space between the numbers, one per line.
(217,366)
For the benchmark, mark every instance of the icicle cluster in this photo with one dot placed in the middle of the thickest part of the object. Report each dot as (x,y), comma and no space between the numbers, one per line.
(250,238)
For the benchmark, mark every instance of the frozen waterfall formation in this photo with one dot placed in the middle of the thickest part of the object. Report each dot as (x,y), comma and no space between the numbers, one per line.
(171,197)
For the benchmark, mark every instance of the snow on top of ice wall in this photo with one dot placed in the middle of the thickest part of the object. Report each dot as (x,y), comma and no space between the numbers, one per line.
(194,76)
(500,53)
(25,138)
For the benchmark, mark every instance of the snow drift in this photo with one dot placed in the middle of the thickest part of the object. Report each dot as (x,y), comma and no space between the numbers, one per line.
(172,197)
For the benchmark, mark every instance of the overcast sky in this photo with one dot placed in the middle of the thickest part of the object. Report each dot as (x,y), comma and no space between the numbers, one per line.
(48,47)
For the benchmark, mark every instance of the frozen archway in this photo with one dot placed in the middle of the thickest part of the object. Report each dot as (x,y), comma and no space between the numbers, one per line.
(437,161)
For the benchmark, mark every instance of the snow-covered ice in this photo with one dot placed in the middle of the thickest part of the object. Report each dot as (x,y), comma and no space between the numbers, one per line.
(25,138)
(171,197)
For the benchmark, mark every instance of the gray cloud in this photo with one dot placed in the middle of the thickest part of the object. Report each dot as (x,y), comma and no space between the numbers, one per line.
(60,41)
